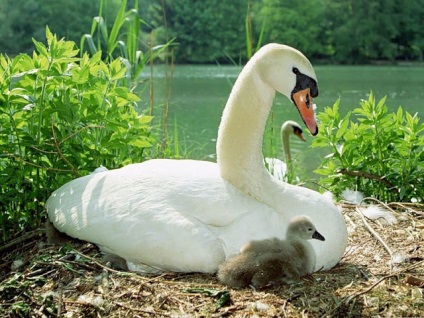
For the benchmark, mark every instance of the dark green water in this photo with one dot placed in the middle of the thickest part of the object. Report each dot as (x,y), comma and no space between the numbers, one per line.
(199,94)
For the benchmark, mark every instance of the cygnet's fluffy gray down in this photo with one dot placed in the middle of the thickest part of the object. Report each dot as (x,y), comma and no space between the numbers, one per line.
(273,261)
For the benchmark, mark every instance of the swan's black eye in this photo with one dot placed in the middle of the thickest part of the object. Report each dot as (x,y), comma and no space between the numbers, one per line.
(297,130)
(309,229)
(295,70)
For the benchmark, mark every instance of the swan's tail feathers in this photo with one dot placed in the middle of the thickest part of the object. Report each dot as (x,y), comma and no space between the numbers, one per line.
(54,237)
(352,196)
(384,216)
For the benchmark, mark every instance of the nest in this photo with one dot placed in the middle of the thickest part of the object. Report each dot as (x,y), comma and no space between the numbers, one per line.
(381,274)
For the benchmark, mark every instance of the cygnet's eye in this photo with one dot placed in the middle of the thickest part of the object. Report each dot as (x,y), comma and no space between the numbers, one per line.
(309,229)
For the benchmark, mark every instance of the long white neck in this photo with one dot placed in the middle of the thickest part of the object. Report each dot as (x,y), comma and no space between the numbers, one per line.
(285,140)
(240,135)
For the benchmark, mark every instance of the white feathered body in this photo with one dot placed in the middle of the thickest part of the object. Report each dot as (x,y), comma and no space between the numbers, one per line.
(170,229)
(193,223)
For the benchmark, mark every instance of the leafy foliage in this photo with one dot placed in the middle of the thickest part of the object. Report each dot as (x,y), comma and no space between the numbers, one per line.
(356,18)
(207,30)
(286,23)
(342,31)
(61,116)
(21,20)
(347,31)
(380,153)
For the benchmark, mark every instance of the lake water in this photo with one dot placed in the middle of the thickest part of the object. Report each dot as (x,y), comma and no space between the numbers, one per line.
(199,94)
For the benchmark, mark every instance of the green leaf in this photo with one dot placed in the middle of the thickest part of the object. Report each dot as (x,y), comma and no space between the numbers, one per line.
(40,48)
(117,70)
(119,21)
(144,119)
(223,296)
(140,143)
(343,126)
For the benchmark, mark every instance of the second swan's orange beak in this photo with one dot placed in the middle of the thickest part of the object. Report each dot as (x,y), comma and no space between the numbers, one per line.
(303,101)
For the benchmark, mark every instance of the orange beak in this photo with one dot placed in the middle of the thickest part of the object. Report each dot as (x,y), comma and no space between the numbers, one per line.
(303,101)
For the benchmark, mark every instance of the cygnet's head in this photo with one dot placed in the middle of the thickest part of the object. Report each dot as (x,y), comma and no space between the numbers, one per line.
(302,227)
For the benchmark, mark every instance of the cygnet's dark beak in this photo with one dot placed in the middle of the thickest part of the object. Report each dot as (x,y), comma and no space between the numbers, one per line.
(318,236)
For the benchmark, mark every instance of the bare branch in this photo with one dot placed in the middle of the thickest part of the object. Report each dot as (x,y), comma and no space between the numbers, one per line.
(370,176)
(56,144)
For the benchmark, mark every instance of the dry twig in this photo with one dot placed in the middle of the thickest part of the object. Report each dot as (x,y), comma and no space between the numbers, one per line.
(416,281)
(25,237)
(351,297)
(374,233)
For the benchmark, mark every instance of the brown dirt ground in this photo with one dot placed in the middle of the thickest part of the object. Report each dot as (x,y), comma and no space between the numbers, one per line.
(73,281)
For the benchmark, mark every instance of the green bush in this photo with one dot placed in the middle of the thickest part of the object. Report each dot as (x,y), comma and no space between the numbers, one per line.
(61,116)
(379,153)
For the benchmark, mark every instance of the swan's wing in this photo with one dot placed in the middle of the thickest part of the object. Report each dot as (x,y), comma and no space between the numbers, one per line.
(191,188)
(160,207)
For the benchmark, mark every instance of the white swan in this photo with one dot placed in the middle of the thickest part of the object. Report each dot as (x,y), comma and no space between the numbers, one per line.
(189,216)
(281,170)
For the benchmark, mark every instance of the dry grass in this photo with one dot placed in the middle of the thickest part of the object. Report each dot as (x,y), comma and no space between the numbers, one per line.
(73,282)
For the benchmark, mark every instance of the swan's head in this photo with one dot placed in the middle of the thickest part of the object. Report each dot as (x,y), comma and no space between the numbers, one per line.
(302,227)
(289,72)
(292,127)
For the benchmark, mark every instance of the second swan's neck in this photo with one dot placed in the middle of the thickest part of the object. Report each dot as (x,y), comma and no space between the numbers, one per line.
(285,140)
(240,135)
(286,131)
